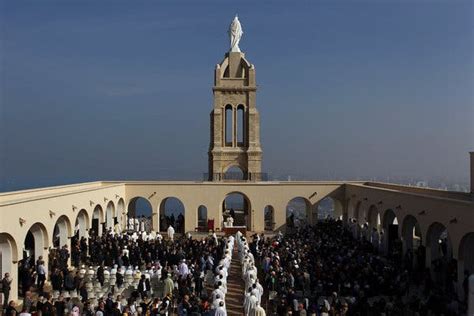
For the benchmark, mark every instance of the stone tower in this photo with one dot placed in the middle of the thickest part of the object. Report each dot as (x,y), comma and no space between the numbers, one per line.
(235,122)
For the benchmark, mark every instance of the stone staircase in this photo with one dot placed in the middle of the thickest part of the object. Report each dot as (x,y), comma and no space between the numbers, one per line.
(234,299)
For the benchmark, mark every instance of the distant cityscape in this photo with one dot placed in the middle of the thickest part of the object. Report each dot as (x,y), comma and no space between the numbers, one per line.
(439,184)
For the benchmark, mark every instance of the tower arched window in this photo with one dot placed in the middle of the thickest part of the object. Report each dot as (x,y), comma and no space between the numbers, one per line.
(229,126)
(241,126)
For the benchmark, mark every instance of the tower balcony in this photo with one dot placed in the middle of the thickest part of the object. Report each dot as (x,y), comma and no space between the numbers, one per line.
(236,176)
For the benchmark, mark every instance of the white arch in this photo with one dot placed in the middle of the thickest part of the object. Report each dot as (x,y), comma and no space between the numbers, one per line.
(82,223)
(292,214)
(247,208)
(163,213)
(40,235)
(109,215)
(97,220)
(9,253)
(9,259)
(63,226)
(410,233)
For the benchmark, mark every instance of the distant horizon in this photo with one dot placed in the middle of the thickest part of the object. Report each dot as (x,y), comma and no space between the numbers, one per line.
(35,184)
(347,90)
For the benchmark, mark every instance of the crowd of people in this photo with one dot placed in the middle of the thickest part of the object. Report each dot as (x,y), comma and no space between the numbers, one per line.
(324,270)
(312,270)
(127,274)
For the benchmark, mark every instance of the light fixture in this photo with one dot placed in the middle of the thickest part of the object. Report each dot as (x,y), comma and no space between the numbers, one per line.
(51,213)
(91,202)
(22,221)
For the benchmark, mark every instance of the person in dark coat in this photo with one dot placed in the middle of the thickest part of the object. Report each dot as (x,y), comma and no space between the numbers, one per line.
(57,280)
(100,275)
(69,284)
(144,286)
(109,304)
(60,306)
(6,287)
(47,309)
(83,292)
(119,279)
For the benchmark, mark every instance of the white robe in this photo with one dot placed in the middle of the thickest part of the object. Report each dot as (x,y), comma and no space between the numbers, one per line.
(183,270)
(170,233)
(216,292)
(220,311)
(256,293)
(260,291)
(258,311)
(251,304)
(216,303)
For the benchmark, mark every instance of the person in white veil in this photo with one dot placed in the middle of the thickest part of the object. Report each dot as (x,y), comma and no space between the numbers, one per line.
(171,232)
(220,310)
(251,303)
(258,311)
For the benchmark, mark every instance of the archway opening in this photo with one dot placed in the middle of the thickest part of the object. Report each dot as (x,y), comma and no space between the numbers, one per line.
(241,125)
(269,218)
(62,232)
(411,234)
(97,221)
(374,226)
(392,244)
(440,253)
(110,218)
(466,253)
(8,254)
(298,211)
(234,173)
(139,215)
(202,218)
(329,208)
(35,247)
(36,242)
(236,210)
(229,126)
(172,214)
(82,224)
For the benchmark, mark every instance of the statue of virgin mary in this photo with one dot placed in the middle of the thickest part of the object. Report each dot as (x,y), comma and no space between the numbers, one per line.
(235,34)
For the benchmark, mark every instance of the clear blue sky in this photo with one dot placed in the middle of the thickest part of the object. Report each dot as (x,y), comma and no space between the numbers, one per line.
(122,89)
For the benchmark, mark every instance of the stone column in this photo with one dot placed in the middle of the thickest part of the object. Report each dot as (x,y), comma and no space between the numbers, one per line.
(460,279)
(14,285)
(470,299)
(472,171)
(155,220)
(279,216)
(428,256)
